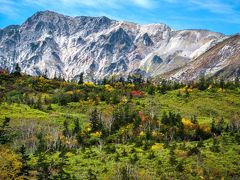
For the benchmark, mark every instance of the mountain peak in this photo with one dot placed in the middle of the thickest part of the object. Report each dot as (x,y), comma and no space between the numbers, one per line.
(98,46)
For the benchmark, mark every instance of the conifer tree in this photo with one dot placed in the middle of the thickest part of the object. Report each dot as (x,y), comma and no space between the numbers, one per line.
(81,81)
(62,174)
(66,131)
(43,167)
(17,70)
(42,144)
(24,158)
(5,131)
(77,127)
(95,121)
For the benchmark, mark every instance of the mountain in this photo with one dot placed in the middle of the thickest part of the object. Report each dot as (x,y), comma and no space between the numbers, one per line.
(222,60)
(57,45)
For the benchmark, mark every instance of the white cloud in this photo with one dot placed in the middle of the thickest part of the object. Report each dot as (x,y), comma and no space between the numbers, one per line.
(144,3)
(214,6)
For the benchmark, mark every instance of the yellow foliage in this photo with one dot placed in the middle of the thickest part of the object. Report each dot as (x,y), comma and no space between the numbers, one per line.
(88,129)
(89,84)
(221,90)
(205,127)
(69,92)
(108,87)
(129,85)
(154,134)
(96,134)
(124,100)
(118,84)
(187,123)
(157,147)
(41,79)
(78,91)
(142,134)
(10,164)
(210,86)
(189,90)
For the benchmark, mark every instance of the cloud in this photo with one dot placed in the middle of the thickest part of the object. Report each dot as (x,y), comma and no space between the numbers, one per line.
(144,3)
(214,6)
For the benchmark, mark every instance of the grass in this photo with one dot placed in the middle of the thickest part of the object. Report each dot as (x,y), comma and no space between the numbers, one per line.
(22,112)
(205,105)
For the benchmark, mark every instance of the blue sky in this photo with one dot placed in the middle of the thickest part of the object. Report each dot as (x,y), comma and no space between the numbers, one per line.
(216,15)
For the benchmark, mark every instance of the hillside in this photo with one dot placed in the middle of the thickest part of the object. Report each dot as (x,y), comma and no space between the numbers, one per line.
(53,129)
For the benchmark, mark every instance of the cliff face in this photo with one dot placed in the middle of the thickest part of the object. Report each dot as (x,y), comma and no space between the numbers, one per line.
(57,45)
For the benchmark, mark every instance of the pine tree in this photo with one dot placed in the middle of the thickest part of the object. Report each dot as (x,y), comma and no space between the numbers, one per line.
(222,83)
(24,158)
(151,90)
(202,83)
(17,70)
(165,118)
(43,170)
(42,144)
(77,127)
(163,87)
(5,132)
(95,121)
(66,131)
(237,82)
(81,80)
(62,174)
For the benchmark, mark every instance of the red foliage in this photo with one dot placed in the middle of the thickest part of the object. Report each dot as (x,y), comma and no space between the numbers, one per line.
(142,116)
(136,93)
(3,71)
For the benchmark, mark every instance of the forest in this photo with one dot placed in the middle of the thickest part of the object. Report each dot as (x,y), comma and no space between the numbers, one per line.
(118,128)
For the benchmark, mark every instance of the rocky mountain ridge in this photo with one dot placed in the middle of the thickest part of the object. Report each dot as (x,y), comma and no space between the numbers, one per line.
(57,45)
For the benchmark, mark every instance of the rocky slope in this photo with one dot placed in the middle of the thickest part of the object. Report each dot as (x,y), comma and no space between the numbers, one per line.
(57,45)
(222,60)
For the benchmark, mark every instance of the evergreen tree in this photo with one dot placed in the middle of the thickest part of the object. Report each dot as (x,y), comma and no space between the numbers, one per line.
(95,121)
(5,131)
(165,118)
(66,131)
(81,79)
(24,158)
(202,83)
(77,127)
(17,70)
(163,88)
(222,83)
(220,126)
(62,174)
(42,144)
(151,90)
(38,104)
(43,167)
(237,82)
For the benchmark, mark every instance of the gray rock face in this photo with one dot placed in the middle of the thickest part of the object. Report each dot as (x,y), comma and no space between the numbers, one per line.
(57,45)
